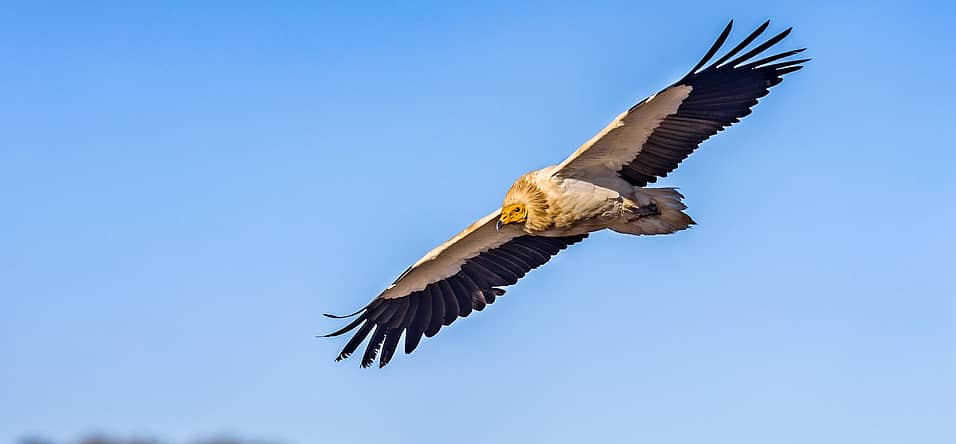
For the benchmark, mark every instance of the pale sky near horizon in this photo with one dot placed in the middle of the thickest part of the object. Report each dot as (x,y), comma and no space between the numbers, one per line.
(187,187)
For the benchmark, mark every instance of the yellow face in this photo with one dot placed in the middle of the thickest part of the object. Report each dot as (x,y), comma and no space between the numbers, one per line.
(510,214)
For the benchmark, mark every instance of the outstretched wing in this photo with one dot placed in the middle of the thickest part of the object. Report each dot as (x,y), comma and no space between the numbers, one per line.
(652,138)
(461,275)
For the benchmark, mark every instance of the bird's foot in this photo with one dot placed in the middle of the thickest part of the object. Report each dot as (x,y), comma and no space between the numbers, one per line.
(647,210)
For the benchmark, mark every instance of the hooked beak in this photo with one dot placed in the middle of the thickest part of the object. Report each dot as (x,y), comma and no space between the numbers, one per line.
(499,225)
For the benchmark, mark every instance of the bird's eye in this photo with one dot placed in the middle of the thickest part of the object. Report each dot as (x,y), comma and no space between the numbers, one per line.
(516,210)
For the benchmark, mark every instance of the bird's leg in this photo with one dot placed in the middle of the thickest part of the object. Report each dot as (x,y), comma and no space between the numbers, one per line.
(646,210)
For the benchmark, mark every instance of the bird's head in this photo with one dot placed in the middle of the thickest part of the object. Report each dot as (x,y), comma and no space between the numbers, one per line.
(515,213)
(525,206)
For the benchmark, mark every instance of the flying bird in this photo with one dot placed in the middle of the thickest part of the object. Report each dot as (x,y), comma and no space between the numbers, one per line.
(600,186)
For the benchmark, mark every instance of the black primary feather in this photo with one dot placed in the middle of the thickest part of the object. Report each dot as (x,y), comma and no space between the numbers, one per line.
(721,94)
(425,312)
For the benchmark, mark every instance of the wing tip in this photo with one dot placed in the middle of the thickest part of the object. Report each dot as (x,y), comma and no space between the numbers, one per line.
(333,316)
(713,48)
(723,62)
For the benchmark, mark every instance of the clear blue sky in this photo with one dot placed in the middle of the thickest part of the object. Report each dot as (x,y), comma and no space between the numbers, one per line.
(185,189)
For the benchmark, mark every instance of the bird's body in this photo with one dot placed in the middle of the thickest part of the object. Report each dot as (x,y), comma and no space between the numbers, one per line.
(559,206)
(566,206)
(602,185)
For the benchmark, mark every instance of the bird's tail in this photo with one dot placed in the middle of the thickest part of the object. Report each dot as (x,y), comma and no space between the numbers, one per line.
(670,217)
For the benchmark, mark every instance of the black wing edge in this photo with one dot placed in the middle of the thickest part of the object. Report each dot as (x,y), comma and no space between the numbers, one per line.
(723,63)
(722,93)
(439,304)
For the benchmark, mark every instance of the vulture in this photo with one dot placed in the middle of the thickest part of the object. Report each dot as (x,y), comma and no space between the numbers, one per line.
(602,185)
